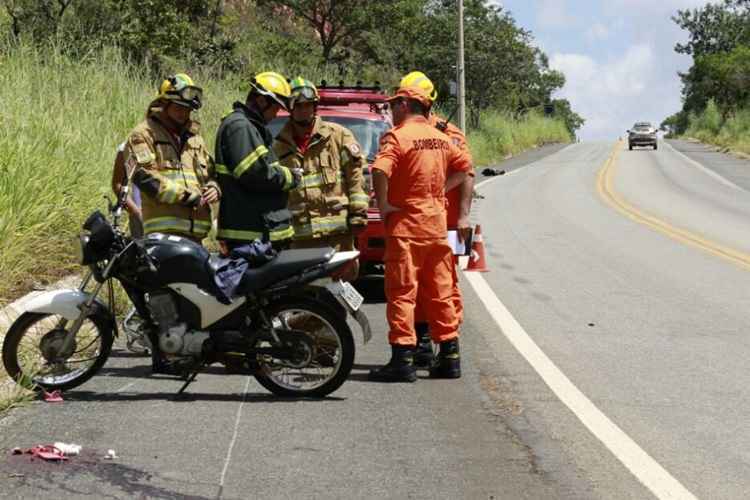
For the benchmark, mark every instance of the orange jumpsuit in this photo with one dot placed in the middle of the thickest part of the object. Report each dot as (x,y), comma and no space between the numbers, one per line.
(416,157)
(458,138)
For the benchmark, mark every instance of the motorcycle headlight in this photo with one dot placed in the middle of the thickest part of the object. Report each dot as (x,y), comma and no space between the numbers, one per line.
(84,252)
(96,239)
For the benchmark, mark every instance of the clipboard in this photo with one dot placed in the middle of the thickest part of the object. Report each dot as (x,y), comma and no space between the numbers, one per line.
(458,247)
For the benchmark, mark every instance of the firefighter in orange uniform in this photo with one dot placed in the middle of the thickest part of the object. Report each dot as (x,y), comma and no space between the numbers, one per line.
(459,208)
(410,176)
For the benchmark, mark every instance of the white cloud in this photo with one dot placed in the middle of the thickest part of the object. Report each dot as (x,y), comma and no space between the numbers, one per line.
(554,14)
(640,7)
(597,32)
(618,57)
(611,94)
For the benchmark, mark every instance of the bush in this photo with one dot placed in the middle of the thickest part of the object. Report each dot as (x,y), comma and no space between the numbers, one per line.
(707,123)
(500,134)
(708,127)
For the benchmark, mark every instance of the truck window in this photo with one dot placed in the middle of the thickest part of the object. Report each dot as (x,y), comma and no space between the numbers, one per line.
(367,132)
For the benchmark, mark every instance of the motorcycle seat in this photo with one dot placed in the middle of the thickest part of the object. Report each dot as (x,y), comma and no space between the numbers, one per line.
(285,265)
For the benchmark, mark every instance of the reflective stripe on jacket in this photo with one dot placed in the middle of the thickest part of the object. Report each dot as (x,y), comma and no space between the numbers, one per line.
(254,185)
(330,196)
(170,173)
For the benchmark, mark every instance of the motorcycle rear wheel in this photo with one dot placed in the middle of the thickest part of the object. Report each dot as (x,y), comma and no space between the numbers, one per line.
(33,339)
(326,347)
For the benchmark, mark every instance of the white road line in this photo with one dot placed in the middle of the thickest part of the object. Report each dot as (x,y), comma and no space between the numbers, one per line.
(647,470)
(703,169)
(234,436)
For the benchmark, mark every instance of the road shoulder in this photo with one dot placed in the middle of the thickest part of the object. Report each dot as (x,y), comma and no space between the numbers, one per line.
(729,166)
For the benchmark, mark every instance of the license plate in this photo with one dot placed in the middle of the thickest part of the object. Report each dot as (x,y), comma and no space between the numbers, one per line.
(346,293)
(351,296)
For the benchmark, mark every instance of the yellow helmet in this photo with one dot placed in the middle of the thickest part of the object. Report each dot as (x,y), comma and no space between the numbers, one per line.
(419,79)
(181,90)
(273,86)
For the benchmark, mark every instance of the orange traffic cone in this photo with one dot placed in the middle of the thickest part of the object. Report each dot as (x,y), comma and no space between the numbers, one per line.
(476,259)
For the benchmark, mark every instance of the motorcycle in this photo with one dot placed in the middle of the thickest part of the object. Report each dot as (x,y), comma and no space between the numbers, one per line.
(288,328)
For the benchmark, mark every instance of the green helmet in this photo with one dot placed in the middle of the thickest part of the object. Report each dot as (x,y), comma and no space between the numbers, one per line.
(302,91)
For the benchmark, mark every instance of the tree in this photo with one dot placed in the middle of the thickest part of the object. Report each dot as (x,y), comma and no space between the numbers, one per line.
(715,27)
(718,40)
(37,18)
(343,22)
(563,110)
(504,70)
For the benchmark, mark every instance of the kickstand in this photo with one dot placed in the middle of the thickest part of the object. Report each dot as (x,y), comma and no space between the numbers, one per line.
(189,381)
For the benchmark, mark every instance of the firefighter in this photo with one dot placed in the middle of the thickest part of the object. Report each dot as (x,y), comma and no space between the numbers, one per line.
(171,164)
(255,185)
(410,175)
(459,208)
(329,207)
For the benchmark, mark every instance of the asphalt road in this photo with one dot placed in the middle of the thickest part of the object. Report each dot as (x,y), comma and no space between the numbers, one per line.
(433,439)
(628,274)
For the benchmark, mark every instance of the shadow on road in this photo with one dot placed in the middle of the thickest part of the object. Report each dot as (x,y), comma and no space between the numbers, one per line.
(187,397)
(371,288)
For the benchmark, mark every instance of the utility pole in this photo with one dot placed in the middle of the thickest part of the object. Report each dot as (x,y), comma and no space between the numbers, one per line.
(460,76)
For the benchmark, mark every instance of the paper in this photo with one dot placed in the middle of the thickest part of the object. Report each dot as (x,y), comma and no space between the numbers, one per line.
(459,247)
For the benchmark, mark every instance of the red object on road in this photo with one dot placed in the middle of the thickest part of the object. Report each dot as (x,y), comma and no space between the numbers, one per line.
(52,397)
(45,452)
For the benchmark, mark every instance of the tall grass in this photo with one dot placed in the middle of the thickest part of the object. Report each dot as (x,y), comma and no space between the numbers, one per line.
(62,119)
(732,131)
(60,124)
(500,135)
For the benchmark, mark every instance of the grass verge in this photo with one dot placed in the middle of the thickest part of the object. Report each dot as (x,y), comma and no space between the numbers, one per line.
(501,135)
(731,131)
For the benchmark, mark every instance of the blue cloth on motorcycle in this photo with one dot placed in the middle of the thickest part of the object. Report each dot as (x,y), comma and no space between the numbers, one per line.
(229,270)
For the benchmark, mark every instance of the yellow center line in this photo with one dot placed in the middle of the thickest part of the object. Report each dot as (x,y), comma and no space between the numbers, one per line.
(604,186)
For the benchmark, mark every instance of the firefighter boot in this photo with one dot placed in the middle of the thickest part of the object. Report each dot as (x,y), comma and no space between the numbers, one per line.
(399,369)
(447,364)
(423,355)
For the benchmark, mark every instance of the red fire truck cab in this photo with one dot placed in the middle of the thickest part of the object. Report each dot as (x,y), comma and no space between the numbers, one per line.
(363,111)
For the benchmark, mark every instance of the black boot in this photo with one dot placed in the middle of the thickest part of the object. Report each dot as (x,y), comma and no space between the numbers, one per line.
(399,369)
(423,355)
(447,364)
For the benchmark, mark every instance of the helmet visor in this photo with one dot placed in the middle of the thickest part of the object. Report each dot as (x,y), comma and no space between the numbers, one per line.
(304,94)
(189,96)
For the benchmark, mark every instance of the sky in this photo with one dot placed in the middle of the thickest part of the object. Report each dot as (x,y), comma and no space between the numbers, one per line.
(617,56)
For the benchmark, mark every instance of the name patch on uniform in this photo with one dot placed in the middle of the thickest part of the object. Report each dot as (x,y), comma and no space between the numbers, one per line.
(430,143)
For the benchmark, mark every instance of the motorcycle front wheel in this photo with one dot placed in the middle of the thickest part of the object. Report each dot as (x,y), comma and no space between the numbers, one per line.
(33,351)
(323,349)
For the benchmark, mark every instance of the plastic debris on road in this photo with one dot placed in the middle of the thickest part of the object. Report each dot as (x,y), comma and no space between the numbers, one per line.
(70,450)
(52,397)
